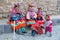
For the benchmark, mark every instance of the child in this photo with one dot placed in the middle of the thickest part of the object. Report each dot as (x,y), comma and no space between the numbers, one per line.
(31,13)
(15,10)
(39,12)
(48,25)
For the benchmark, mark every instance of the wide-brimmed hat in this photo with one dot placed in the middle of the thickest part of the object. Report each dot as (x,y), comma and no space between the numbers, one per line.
(31,4)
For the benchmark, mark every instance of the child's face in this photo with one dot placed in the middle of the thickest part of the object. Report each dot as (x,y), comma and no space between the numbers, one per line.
(39,9)
(17,8)
(47,19)
(31,8)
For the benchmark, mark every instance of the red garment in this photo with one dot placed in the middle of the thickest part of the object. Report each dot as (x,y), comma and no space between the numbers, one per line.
(40,22)
(48,26)
(37,26)
(48,29)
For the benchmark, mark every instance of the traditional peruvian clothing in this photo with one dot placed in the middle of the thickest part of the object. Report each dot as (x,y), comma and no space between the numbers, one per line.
(48,25)
(41,25)
(31,13)
(39,12)
(38,27)
(20,25)
(14,11)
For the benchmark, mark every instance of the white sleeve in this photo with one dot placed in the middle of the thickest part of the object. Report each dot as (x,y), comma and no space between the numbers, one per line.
(27,15)
(48,23)
(35,16)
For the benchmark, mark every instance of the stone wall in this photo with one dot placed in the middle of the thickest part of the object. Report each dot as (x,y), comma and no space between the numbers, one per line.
(49,6)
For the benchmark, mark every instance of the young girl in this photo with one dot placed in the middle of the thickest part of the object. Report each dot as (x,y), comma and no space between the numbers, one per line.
(15,10)
(48,25)
(31,13)
(39,12)
(16,15)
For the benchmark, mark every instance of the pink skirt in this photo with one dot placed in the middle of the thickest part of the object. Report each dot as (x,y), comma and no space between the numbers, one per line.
(48,29)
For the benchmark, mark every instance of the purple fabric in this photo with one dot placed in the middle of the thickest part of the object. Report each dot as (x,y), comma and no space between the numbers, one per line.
(31,13)
(48,29)
(13,12)
(39,12)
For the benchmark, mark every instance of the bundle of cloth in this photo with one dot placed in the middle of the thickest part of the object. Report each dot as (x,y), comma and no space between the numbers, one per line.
(37,28)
